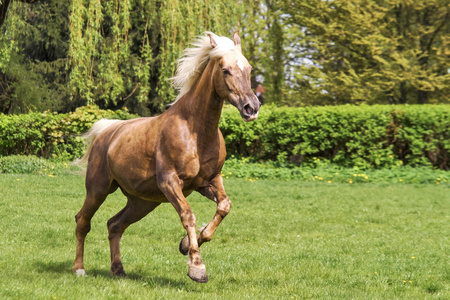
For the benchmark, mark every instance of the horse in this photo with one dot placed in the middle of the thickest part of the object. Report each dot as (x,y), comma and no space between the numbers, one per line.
(161,159)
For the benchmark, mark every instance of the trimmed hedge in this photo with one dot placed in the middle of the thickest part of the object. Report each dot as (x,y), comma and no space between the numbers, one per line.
(51,135)
(350,136)
(363,137)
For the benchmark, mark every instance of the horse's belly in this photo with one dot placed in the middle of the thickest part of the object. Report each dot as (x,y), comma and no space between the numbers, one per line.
(143,189)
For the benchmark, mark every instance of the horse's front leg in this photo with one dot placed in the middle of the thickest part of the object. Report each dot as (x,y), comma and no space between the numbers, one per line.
(216,192)
(171,187)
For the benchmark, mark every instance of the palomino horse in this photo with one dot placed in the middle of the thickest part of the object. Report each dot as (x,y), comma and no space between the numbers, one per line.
(165,158)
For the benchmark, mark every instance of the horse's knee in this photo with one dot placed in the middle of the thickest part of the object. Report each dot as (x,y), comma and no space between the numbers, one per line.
(78,216)
(116,227)
(205,236)
(112,228)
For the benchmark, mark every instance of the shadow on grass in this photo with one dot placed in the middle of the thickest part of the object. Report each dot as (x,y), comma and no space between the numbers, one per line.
(59,267)
(157,281)
(65,267)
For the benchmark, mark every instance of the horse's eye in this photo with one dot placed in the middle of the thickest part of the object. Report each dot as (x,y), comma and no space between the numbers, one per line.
(226,72)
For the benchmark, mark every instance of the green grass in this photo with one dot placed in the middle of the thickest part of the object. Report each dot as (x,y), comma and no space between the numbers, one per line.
(321,171)
(243,167)
(283,239)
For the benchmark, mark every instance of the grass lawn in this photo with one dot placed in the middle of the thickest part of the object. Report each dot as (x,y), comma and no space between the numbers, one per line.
(283,239)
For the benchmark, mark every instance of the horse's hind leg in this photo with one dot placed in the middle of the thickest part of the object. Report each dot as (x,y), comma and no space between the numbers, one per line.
(98,187)
(216,192)
(135,210)
(83,220)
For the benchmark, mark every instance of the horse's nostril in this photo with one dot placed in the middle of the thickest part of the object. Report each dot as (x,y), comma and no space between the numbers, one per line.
(248,109)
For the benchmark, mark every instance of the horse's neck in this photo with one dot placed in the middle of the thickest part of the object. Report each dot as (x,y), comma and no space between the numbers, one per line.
(201,106)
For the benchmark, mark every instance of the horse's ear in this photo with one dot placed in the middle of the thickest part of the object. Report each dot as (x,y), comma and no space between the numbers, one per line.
(212,41)
(237,40)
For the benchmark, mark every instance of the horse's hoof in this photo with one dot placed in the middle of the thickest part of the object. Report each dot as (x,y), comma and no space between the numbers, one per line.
(184,245)
(198,274)
(118,271)
(80,272)
(120,274)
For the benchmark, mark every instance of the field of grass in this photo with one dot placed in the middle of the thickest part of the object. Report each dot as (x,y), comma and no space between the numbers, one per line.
(283,239)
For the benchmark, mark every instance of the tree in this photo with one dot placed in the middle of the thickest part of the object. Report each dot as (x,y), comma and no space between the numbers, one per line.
(59,55)
(267,45)
(4,6)
(366,51)
(112,53)
(32,62)
(123,52)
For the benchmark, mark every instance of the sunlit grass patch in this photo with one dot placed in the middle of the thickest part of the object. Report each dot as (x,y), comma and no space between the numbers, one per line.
(236,167)
(282,239)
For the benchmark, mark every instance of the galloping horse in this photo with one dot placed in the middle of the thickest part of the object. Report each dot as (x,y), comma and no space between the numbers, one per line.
(165,158)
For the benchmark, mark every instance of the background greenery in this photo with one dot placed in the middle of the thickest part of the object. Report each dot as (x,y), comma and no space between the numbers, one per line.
(358,137)
(60,55)
(365,215)
(380,136)
(51,135)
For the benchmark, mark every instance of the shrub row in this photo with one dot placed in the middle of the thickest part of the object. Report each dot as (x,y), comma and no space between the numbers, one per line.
(350,136)
(51,135)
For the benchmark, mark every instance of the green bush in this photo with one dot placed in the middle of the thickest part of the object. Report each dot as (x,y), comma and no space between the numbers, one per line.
(350,136)
(51,135)
(21,164)
(359,137)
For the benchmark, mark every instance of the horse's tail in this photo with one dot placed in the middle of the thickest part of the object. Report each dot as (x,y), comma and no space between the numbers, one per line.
(90,136)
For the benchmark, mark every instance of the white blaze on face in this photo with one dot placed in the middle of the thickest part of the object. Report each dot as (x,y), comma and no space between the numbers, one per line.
(240,64)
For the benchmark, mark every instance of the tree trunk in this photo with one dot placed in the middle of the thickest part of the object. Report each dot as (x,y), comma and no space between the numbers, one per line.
(403,97)
(4,10)
(422,97)
(5,6)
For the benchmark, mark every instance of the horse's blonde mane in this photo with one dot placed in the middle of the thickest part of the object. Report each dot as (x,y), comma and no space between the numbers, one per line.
(194,60)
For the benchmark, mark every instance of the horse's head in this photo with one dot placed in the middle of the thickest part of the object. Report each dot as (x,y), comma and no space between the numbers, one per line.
(232,80)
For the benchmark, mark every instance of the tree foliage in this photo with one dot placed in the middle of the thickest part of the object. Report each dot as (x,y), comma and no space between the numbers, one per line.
(33,48)
(267,45)
(111,53)
(127,50)
(366,51)
(60,55)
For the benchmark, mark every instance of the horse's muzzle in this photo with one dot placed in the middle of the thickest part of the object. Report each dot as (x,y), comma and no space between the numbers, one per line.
(250,110)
